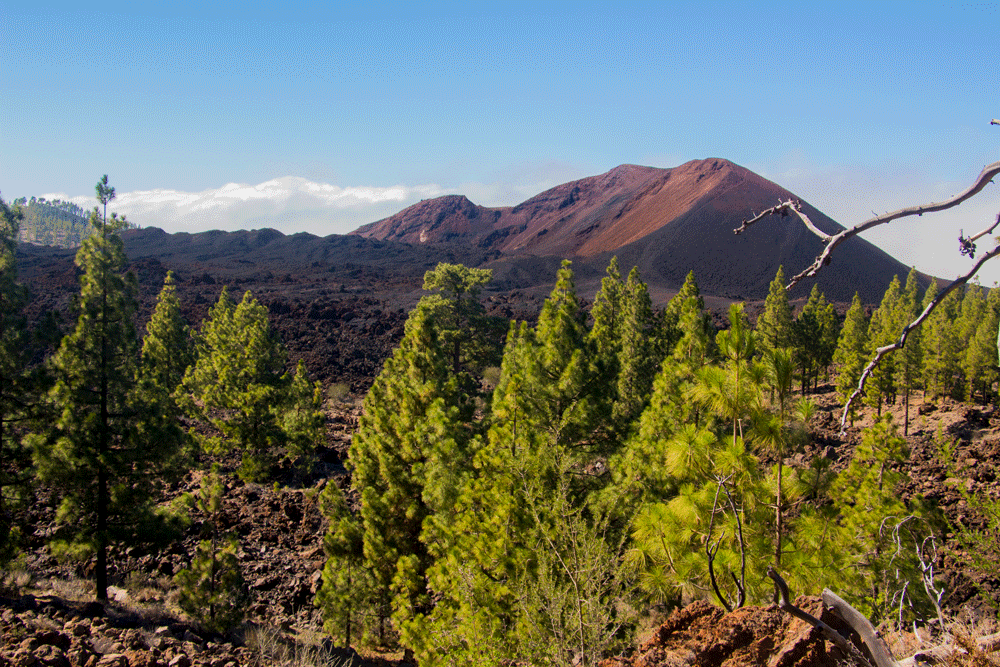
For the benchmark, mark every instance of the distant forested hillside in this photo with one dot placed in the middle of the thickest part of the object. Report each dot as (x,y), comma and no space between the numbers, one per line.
(53,222)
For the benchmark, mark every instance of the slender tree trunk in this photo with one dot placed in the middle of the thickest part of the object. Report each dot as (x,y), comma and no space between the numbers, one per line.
(779,518)
(906,410)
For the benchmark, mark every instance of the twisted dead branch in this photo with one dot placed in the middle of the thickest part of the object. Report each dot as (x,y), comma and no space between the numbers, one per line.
(838,639)
(967,246)
(880,656)
(832,241)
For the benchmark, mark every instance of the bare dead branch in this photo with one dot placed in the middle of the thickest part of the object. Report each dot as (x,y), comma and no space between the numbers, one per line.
(985,177)
(838,639)
(860,624)
(901,341)
(741,584)
(710,551)
(783,209)
(988,230)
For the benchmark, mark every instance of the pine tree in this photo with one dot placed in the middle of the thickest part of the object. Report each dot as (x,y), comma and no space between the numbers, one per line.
(625,349)
(212,589)
(464,327)
(504,561)
(971,315)
(730,391)
(240,384)
(407,465)
(671,315)
(605,335)
(15,389)
(98,453)
(940,345)
(875,521)
(637,364)
(814,337)
(883,329)
(303,420)
(167,348)
(850,357)
(908,365)
(349,596)
(981,355)
(636,477)
(774,326)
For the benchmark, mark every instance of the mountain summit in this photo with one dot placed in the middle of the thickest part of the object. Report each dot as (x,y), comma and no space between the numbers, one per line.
(665,221)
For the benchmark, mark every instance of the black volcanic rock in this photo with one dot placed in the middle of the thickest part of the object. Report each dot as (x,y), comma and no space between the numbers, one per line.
(340,301)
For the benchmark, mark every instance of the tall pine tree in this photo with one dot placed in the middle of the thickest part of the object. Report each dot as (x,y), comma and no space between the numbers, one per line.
(883,329)
(940,345)
(507,573)
(774,326)
(980,361)
(15,390)
(406,462)
(109,444)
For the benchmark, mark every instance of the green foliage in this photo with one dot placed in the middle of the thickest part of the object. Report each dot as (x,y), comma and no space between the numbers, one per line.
(465,330)
(884,329)
(850,355)
(349,597)
(15,389)
(976,548)
(774,326)
(212,589)
(532,534)
(909,359)
(239,385)
(940,345)
(670,328)
(980,360)
(54,222)
(814,337)
(881,529)
(625,347)
(303,419)
(408,462)
(167,347)
(514,571)
(97,452)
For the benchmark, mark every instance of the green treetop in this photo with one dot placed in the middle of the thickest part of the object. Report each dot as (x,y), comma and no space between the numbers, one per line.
(851,353)
(408,462)
(980,362)
(814,334)
(240,382)
(167,348)
(774,326)
(883,329)
(940,345)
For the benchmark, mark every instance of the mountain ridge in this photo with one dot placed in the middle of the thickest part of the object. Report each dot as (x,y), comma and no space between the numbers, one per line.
(665,221)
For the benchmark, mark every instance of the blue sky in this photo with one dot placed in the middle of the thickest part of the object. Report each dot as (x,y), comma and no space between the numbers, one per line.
(320,116)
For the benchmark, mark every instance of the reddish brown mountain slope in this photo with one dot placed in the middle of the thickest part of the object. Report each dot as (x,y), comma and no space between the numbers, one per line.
(580,218)
(665,221)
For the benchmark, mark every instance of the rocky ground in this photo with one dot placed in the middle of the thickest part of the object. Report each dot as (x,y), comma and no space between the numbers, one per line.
(46,617)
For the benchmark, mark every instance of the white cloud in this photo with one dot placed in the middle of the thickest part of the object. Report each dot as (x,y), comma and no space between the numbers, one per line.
(290,204)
